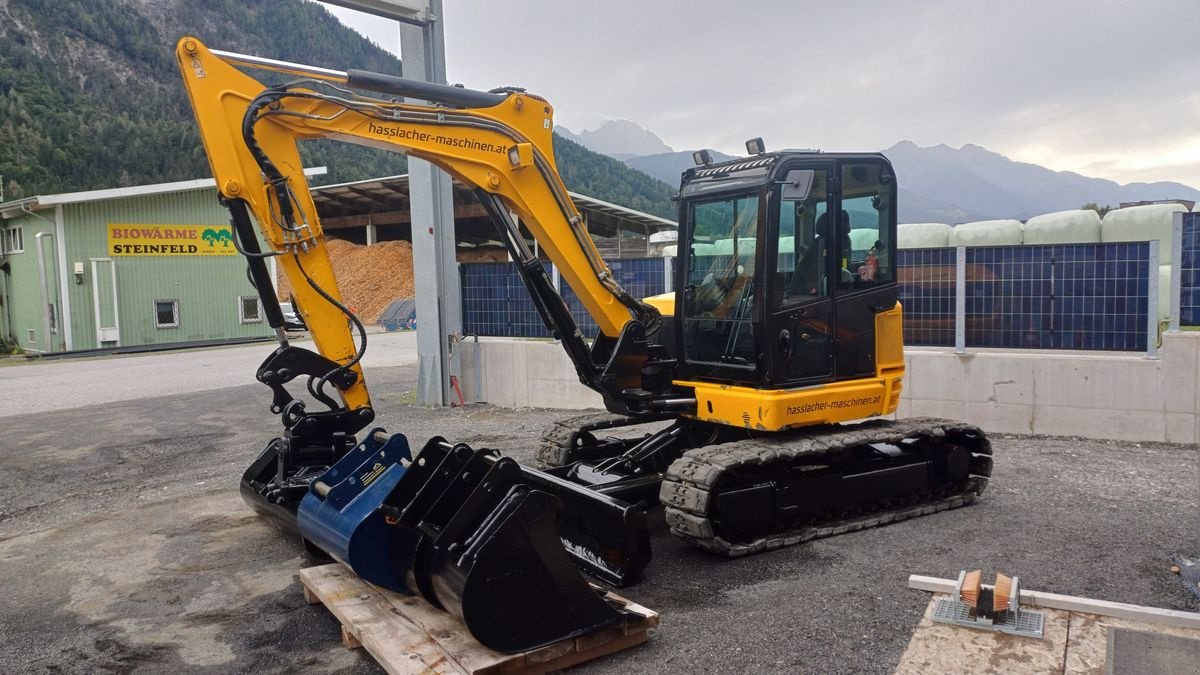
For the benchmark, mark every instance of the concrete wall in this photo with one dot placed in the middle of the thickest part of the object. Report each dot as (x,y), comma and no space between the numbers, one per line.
(1097,395)
(518,373)
(1121,397)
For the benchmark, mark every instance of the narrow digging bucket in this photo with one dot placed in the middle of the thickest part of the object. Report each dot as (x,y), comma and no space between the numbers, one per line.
(340,514)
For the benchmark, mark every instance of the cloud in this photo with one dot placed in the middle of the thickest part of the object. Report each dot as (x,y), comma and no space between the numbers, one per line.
(1084,85)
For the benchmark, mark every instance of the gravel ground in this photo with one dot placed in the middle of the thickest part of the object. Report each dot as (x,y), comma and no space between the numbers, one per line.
(124,546)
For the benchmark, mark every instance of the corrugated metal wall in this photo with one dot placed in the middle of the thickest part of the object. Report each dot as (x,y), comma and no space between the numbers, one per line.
(206,288)
(22,294)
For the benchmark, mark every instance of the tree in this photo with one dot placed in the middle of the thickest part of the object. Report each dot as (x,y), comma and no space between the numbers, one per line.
(210,235)
(1098,209)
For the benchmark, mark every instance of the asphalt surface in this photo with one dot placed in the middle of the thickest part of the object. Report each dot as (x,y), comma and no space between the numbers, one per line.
(125,548)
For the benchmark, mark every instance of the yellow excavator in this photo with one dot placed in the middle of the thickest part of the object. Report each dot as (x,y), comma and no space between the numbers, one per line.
(786,324)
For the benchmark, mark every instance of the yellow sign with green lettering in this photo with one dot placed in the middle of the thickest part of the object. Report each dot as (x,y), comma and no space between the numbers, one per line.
(188,240)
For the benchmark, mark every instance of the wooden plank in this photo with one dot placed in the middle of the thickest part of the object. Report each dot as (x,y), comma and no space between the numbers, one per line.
(310,597)
(1168,617)
(398,645)
(450,635)
(348,639)
(406,634)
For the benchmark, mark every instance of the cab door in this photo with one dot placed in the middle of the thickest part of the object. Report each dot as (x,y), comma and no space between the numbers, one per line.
(799,329)
(865,281)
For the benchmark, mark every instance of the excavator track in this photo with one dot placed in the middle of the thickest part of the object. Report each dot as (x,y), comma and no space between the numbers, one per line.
(692,489)
(561,440)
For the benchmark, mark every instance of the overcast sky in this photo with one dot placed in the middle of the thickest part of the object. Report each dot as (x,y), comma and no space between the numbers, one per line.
(1106,88)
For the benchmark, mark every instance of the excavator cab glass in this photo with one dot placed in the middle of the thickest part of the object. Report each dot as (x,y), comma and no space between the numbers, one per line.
(721,281)
(783,256)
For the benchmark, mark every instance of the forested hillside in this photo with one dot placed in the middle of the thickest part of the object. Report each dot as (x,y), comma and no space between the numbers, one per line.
(90,95)
(609,179)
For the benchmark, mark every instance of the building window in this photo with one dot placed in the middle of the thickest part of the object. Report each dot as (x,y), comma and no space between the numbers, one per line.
(166,313)
(31,336)
(12,241)
(249,311)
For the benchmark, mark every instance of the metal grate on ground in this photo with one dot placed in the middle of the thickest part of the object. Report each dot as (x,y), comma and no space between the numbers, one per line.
(1020,622)
(1189,282)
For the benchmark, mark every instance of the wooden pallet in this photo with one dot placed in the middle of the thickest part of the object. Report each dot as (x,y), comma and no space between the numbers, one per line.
(407,635)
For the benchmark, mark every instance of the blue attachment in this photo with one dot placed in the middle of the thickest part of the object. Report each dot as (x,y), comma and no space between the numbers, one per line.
(346,522)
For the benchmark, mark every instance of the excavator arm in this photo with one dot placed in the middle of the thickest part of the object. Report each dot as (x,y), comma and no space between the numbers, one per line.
(472,531)
(499,143)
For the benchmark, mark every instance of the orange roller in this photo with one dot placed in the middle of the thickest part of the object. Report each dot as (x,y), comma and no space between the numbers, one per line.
(971,586)
(1003,590)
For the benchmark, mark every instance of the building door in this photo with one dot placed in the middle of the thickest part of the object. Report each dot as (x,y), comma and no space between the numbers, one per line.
(104,302)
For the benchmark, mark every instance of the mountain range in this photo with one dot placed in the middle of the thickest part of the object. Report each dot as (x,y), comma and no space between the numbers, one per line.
(619,139)
(91,97)
(937,183)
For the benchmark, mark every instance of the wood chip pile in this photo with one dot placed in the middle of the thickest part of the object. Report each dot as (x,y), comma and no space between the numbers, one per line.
(370,277)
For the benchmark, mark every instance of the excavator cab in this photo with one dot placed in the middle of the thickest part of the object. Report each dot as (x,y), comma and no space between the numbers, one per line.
(786,260)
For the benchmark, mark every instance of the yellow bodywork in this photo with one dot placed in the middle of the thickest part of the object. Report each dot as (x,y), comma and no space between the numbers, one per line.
(220,95)
(665,303)
(779,409)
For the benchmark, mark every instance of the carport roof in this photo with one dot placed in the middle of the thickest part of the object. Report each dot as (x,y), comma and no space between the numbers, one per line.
(390,194)
(16,207)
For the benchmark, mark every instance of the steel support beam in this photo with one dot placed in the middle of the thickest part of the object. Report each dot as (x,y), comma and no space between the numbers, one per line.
(438,295)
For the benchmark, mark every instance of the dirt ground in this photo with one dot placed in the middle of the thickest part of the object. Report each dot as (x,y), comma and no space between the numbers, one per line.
(125,548)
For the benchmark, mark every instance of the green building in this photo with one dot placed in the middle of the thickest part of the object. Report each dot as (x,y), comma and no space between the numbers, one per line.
(143,265)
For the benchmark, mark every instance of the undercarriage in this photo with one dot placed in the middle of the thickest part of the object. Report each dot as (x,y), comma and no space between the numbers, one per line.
(735,492)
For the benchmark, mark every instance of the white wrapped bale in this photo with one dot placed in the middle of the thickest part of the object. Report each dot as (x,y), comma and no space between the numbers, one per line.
(745,246)
(863,239)
(987,233)
(1141,223)
(670,250)
(923,235)
(1081,226)
(1196,206)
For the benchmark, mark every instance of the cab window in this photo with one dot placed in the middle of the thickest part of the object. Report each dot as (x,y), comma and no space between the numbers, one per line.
(867,213)
(802,266)
(720,292)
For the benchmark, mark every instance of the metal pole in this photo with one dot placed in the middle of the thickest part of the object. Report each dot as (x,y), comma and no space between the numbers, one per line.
(668,274)
(1176,270)
(438,291)
(960,300)
(1152,302)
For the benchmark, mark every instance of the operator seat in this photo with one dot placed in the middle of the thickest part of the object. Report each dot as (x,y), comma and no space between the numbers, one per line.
(812,267)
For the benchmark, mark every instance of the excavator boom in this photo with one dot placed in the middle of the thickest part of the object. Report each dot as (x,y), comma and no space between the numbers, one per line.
(473,532)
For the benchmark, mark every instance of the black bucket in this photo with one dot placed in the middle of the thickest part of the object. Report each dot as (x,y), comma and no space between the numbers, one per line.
(489,549)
